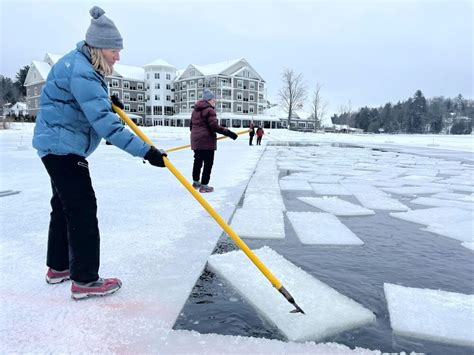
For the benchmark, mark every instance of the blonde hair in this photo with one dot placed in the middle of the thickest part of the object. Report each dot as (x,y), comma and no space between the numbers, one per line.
(99,63)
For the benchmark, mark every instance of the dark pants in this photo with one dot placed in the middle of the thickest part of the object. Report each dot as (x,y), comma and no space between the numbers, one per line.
(200,157)
(259,140)
(251,139)
(73,239)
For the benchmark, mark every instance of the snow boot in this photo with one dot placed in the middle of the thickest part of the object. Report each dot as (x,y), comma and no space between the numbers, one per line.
(101,287)
(196,184)
(56,277)
(206,188)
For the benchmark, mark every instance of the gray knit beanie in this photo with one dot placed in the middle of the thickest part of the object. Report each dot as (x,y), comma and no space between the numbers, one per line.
(208,95)
(102,32)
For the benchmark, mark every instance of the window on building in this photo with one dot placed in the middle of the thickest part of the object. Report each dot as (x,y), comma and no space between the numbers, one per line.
(157,75)
(168,86)
(184,97)
(148,86)
(157,85)
(240,83)
(192,96)
(200,83)
(139,97)
(260,87)
(139,86)
(115,83)
(36,102)
(251,109)
(239,108)
(148,97)
(36,91)
(126,85)
(157,97)
(168,76)
(116,93)
(252,85)
(126,96)
(127,107)
(148,76)
(168,97)
(251,97)
(183,107)
(192,73)
(140,108)
(183,85)
(239,96)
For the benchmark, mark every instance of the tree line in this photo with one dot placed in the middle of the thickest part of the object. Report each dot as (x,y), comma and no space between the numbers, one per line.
(13,91)
(414,115)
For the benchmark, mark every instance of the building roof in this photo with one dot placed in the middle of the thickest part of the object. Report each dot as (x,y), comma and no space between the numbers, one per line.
(160,63)
(42,68)
(279,112)
(53,56)
(129,72)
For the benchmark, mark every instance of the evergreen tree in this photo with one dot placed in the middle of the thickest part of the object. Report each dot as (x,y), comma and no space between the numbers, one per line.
(20,81)
(417,113)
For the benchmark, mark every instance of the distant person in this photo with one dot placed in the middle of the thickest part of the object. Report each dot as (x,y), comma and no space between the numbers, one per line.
(75,113)
(260,134)
(251,133)
(204,126)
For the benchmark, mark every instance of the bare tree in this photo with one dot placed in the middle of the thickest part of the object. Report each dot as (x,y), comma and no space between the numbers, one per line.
(293,92)
(318,107)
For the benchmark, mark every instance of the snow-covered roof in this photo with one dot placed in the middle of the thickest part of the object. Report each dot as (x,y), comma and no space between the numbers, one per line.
(279,112)
(129,72)
(159,62)
(20,106)
(37,73)
(216,68)
(53,56)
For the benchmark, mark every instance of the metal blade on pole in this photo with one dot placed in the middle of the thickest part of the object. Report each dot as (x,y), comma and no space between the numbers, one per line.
(232,234)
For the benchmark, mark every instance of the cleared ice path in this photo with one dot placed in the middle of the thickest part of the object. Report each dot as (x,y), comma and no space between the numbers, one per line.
(328,312)
(431,314)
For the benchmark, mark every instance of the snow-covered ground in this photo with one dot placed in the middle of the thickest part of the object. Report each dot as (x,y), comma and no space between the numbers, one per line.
(154,236)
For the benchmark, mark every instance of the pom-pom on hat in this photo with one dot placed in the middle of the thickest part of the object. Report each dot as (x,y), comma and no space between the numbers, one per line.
(102,32)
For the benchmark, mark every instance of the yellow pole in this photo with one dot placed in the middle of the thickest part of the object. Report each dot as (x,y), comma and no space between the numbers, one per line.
(188,145)
(232,234)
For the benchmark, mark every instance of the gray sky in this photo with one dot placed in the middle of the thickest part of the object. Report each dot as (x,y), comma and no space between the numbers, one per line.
(368,52)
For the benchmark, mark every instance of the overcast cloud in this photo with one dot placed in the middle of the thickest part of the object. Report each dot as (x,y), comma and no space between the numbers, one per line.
(368,52)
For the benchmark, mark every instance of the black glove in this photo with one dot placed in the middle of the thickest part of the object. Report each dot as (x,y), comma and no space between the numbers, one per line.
(231,134)
(155,157)
(116,101)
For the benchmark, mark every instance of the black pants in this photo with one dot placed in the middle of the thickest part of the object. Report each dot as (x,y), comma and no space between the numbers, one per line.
(250,139)
(73,239)
(200,157)
(259,140)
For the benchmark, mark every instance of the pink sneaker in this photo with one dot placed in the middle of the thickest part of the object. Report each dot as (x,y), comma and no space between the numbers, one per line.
(101,287)
(206,188)
(56,277)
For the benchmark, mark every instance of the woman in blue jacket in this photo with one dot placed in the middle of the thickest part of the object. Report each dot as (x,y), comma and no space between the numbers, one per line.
(75,114)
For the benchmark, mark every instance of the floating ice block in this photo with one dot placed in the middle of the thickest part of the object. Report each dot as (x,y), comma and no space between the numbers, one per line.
(328,312)
(259,223)
(431,314)
(321,228)
(337,206)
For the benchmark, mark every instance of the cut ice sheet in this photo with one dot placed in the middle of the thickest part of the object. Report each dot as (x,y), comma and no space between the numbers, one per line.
(328,312)
(337,206)
(329,229)
(259,223)
(431,314)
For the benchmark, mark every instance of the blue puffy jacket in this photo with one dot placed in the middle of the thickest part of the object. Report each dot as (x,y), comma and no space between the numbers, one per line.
(75,111)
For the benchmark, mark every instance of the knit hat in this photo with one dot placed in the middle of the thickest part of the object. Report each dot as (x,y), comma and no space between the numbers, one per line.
(102,32)
(208,95)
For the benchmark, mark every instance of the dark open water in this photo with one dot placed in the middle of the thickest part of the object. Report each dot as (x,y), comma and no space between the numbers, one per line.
(395,251)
